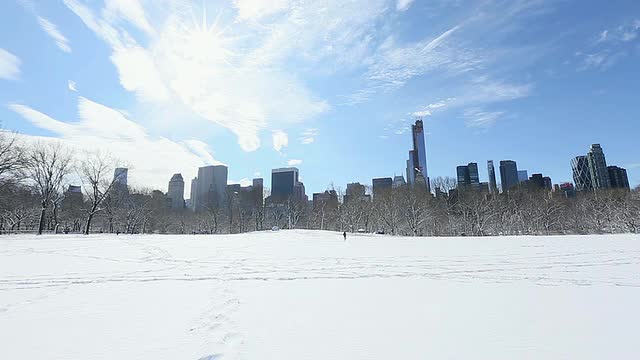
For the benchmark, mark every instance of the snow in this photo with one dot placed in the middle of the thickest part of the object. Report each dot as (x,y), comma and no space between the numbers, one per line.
(310,295)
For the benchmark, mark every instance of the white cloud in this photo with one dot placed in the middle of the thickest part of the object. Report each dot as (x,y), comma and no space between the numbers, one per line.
(280,139)
(196,65)
(479,118)
(152,159)
(52,30)
(256,9)
(71,85)
(403,5)
(309,136)
(294,162)
(130,10)
(421,113)
(244,182)
(9,65)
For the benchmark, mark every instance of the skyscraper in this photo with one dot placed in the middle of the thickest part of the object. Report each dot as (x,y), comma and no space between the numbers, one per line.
(468,177)
(581,173)
(618,177)
(598,167)
(493,185)
(381,185)
(523,175)
(211,187)
(285,184)
(176,191)
(398,181)
(193,194)
(120,176)
(508,174)
(417,163)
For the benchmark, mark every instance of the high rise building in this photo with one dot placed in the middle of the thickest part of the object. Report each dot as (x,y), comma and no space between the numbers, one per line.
(508,174)
(398,181)
(523,175)
(618,177)
(493,185)
(581,173)
(283,183)
(598,167)
(211,187)
(176,191)
(417,163)
(193,194)
(468,177)
(120,176)
(355,191)
(537,181)
(381,185)
(568,190)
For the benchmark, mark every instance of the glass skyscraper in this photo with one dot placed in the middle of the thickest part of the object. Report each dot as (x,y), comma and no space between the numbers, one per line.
(598,167)
(493,185)
(581,173)
(417,163)
(508,174)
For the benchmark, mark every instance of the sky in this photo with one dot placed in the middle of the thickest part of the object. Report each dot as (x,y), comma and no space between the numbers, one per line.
(329,86)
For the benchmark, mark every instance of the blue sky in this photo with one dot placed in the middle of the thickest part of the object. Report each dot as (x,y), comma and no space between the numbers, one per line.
(328,86)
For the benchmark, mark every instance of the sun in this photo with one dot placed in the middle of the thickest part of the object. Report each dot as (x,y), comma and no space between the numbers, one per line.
(207,43)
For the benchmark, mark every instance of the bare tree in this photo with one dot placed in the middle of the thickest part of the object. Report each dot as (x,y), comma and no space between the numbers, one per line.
(46,166)
(95,172)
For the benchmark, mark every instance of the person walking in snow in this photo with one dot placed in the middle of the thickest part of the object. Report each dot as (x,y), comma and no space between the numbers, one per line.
(344,234)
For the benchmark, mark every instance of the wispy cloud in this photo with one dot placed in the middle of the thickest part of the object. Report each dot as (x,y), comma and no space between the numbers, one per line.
(9,65)
(294,162)
(479,118)
(153,159)
(611,46)
(403,5)
(309,136)
(71,85)
(52,30)
(280,140)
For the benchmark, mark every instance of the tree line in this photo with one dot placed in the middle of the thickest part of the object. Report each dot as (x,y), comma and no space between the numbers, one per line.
(35,197)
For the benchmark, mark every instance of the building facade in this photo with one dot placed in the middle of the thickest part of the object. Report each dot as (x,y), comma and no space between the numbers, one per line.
(417,164)
(618,177)
(211,187)
(175,191)
(598,167)
(493,184)
(581,173)
(508,174)
(381,186)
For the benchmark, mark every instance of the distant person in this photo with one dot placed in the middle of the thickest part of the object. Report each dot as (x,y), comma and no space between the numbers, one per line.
(344,234)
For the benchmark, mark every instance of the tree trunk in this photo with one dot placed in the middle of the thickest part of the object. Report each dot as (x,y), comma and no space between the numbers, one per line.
(42,219)
(87,228)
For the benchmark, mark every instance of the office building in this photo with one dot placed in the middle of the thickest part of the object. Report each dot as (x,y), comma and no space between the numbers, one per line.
(598,167)
(381,186)
(523,175)
(618,177)
(581,173)
(211,187)
(398,181)
(508,174)
(355,192)
(176,191)
(417,163)
(468,177)
(493,184)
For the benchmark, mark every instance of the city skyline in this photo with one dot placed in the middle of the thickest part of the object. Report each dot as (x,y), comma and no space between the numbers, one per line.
(337,108)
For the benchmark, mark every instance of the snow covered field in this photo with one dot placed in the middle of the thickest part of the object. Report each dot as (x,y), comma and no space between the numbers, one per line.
(309,295)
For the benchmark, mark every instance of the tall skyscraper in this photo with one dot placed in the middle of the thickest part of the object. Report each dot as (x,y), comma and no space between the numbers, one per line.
(508,174)
(417,163)
(598,167)
(193,193)
(120,176)
(381,185)
(355,191)
(176,191)
(493,185)
(285,185)
(468,177)
(618,177)
(211,187)
(581,173)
